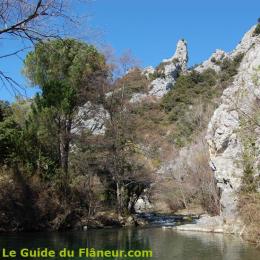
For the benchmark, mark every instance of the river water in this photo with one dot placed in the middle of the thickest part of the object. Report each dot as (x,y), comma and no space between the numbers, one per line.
(164,243)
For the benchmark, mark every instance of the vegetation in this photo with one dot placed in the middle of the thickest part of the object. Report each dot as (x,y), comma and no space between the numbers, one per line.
(45,150)
(191,115)
(63,175)
(133,82)
(32,21)
(249,199)
(186,112)
(257,30)
(64,70)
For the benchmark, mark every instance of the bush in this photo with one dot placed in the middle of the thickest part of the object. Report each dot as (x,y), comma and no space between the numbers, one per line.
(229,67)
(257,30)
(133,82)
(249,209)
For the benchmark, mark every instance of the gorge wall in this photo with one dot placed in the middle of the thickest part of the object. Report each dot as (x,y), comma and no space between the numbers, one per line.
(232,126)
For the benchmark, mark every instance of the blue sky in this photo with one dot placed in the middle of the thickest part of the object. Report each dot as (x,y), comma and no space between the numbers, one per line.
(151,29)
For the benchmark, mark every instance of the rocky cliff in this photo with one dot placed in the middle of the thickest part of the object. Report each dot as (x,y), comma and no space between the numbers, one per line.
(226,131)
(233,137)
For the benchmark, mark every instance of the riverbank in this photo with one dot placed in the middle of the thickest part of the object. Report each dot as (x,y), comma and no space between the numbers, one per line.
(76,221)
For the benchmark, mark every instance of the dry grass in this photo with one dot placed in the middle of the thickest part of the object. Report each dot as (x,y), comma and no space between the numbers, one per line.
(189,181)
(249,207)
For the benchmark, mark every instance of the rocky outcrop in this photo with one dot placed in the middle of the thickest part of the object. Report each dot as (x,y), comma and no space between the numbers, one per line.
(170,70)
(167,72)
(213,62)
(148,71)
(180,55)
(143,204)
(246,43)
(91,117)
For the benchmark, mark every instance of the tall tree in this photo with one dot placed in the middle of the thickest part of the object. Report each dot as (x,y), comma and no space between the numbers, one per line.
(68,73)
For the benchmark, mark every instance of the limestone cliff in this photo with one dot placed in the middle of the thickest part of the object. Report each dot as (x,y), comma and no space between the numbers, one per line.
(233,137)
(166,73)
(240,101)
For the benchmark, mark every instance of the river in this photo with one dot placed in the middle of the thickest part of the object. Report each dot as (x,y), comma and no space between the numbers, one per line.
(164,243)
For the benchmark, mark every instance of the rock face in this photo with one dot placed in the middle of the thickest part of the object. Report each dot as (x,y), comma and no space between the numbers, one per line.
(246,43)
(168,71)
(180,55)
(91,117)
(171,68)
(239,101)
(213,62)
(143,204)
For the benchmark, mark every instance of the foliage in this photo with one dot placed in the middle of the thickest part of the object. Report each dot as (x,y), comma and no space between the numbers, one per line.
(257,30)
(10,134)
(250,150)
(249,210)
(229,67)
(179,105)
(132,82)
(70,64)
(249,197)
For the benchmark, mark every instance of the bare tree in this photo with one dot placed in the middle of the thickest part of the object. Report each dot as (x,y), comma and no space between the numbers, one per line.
(30,21)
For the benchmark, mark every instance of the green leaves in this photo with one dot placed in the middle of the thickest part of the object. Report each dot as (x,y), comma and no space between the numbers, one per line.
(10,137)
(67,61)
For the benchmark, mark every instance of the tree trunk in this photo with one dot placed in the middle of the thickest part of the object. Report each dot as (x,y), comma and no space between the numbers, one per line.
(65,144)
(118,197)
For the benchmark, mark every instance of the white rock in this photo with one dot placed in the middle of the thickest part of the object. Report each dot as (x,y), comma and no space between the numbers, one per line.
(180,55)
(213,61)
(142,204)
(147,71)
(246,43)
(91,117)
(223,130)
(172,67)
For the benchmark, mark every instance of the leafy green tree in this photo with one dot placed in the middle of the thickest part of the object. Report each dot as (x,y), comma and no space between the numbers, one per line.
(68,73)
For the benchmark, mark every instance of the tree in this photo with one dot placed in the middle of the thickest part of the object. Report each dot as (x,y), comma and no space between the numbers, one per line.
(68,73)
(10,133)
(123,160)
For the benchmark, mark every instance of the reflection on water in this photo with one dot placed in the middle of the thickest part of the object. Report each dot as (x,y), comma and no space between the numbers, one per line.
(165,243)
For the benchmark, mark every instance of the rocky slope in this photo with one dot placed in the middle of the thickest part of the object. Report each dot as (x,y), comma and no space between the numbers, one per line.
(166,73)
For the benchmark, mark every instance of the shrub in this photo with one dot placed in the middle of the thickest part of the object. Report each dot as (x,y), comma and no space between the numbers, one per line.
(213,59)
(133,82)
(249,209)
(257,30)
(229,67)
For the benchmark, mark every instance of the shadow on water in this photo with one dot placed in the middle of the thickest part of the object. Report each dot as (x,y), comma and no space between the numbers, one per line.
(165,243)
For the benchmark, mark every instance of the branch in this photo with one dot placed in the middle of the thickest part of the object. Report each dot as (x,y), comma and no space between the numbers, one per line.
(21,24)
(14,53)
